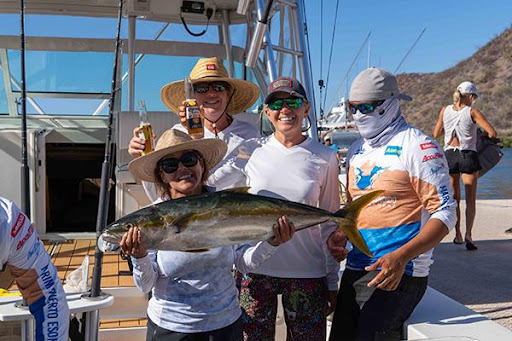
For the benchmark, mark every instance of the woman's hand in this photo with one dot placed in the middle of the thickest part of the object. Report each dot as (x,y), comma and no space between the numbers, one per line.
(283,231)
(131,243)
(182,114)
(137,145)
(337,243)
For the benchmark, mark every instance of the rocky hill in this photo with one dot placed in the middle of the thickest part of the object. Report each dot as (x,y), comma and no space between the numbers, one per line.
(490,68)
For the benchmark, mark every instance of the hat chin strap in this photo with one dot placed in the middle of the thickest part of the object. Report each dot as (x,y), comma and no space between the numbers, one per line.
(230,119)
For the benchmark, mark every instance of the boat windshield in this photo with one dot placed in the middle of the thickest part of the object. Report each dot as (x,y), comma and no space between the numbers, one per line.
(70,70)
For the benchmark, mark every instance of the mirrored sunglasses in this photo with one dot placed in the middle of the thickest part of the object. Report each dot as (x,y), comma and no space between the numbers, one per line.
(292,103)
(203,88)
(170,165)
(365,108)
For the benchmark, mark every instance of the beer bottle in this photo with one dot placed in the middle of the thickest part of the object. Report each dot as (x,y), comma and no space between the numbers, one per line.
(145,132)
(192,111)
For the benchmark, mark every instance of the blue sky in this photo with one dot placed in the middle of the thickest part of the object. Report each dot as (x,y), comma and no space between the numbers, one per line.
(455,29)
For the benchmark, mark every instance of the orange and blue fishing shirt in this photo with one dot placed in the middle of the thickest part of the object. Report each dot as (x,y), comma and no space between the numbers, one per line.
(412,170)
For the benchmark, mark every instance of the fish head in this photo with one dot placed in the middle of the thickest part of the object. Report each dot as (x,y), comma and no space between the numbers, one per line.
(111,237)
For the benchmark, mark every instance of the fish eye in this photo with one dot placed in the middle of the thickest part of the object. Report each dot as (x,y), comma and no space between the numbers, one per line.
(129,225)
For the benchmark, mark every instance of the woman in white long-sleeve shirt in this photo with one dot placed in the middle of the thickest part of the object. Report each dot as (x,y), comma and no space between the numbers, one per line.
(292,166)
(194,294)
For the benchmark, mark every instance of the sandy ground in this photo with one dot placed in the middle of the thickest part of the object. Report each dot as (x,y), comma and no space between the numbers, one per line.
(481,279)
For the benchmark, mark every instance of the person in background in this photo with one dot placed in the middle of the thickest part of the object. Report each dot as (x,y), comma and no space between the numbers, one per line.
(402,226)
(220,98)
(194,293)
(294,167)
(333,146)
(459,122)
(36,276)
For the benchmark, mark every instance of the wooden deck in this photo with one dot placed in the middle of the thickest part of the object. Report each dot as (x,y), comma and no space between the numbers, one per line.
(68,256)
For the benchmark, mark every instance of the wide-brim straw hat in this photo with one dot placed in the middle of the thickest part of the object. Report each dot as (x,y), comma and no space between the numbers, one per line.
(172,141)
(212,70)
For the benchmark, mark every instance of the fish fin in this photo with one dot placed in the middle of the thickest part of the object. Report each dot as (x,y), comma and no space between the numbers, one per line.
(237,189)
(181,222)
(350,212)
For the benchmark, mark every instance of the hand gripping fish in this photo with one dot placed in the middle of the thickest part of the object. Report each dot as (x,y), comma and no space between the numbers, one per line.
(227,217)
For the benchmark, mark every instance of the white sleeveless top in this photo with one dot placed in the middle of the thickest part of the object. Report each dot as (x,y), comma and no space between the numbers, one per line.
(461,124)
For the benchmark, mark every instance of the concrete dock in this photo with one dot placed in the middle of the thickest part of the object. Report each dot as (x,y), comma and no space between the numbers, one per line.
(481,279)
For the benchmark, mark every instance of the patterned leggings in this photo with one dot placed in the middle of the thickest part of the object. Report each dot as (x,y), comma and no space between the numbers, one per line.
(304,302)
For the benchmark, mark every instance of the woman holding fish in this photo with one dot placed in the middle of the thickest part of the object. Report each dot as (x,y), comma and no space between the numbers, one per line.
(194,293)
(294,167)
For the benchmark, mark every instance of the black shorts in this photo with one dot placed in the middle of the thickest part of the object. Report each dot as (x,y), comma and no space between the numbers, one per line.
(462,161)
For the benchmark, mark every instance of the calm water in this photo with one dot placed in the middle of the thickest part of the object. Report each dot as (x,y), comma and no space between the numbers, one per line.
(497,183)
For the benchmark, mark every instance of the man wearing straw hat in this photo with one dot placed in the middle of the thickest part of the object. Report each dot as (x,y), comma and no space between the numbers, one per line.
(220,98)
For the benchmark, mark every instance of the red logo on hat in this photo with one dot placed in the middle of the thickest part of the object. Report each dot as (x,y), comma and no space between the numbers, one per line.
(211,67)
(281,83)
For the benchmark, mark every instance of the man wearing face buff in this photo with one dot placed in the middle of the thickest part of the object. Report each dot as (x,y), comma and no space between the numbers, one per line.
(220,97)
(402,226)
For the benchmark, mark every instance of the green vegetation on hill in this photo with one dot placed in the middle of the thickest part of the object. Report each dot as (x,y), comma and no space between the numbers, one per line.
(490,68)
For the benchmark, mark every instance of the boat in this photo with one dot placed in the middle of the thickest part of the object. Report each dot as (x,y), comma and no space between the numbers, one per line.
(67,88)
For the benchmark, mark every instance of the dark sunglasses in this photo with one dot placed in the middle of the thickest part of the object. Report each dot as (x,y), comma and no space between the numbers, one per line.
(202,88)
(292,103)
(170,165)
(365,108)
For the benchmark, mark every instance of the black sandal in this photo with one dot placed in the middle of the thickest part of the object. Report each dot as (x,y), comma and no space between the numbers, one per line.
(470,246)
(456,242)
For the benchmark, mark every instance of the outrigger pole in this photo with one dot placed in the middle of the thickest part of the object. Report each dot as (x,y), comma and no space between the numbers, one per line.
(25,183)
(105,169)
(92,317)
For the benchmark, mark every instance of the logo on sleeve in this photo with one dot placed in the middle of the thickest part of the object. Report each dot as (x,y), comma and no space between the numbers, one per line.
(432,157)
(27,236)
(18,225)
(444,194)
(428,145)
(393,150)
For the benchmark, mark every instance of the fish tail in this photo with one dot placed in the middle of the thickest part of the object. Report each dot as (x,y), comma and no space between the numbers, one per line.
(349,213)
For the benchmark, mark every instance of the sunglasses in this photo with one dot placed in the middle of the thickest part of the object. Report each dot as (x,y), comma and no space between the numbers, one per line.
(202,88)
(292,103)
(364,108)
(170,165)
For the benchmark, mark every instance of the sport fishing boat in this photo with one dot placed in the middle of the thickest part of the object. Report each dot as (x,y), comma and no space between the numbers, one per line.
(70,49)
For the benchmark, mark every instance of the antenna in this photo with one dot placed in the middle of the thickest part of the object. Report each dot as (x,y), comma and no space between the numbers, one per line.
(338,93)
(414,44)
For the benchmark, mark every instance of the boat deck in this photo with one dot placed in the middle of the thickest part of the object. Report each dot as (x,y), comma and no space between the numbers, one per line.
(68,255)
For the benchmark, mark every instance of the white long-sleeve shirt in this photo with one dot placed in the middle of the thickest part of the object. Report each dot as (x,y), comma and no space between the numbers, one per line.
(196,292)
(34,272)
(305,173)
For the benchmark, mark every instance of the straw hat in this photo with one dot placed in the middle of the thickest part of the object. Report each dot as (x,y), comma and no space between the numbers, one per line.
(212,70)
(172,141)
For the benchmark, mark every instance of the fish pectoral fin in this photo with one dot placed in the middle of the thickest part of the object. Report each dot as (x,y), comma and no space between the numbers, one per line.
(237,189)
(181,222)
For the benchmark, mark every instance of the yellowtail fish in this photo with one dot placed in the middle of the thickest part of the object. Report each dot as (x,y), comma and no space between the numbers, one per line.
(227,217)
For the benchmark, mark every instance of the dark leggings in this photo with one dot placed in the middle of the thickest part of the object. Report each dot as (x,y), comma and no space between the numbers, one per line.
(233,332)
(364,313)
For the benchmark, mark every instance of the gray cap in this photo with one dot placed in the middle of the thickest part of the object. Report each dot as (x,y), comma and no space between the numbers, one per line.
(375,84)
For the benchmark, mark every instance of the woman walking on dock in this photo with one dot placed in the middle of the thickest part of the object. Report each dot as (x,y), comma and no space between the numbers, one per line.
(459,122)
